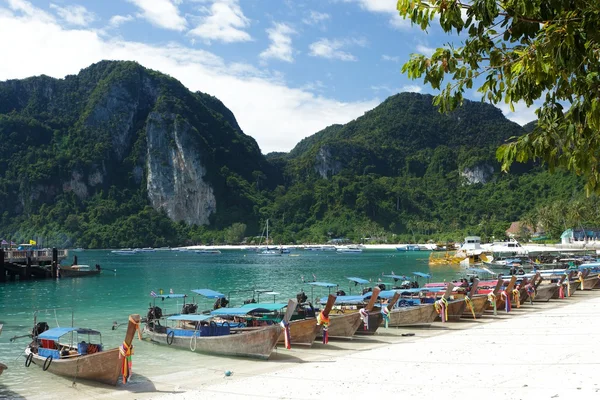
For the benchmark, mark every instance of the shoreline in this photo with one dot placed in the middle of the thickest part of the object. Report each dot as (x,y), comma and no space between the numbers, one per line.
(528,353)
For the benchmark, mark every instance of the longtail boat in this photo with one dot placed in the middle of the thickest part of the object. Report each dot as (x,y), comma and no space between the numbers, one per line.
(588,279)
(339,326)
(441,305)
(481,300)
(505,297)
(60,351)
(526,287)
(457,306)
(205,334)
(2,366)
(546,291)
(569,286)
(343,317)
(406,312)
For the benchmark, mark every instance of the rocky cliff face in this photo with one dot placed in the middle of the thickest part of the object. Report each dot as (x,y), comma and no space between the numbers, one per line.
(325,165)
(175,172)
(118,126)
(478,174)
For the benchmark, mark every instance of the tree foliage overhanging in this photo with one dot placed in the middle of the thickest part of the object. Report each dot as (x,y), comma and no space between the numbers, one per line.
(523,51)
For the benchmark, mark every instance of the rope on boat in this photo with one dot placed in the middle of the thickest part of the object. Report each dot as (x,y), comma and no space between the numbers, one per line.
(386,315)
(195,340)
(286,334)
(470,305)
(531,291)
(364,316)
(492,300)
(441,307)
(506,297)
(517,297)
(324,320)
(580,275)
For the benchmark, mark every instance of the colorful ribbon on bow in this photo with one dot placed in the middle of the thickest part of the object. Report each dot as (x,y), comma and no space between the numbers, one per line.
(125,353)
(492,300)
(441,307)
(517,297)
(386,315)
(324,320)
(506,297)
(581,279)
(286,334)
(364,316)
(531,292)
(470,305)
(561,291)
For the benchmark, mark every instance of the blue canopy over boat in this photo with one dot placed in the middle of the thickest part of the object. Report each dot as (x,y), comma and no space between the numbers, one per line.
(56,333)
(397,277)
(208,293)
(417,290)
(384,294)
(323,284)
(190,317)
(422,274)
(345,299)
(264,306)
(360,281)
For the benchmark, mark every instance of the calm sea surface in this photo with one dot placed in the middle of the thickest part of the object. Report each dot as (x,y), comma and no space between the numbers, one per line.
(99,300)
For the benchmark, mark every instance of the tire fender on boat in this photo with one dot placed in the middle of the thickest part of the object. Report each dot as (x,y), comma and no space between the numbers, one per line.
(172,336)
(28,360)
(47,363)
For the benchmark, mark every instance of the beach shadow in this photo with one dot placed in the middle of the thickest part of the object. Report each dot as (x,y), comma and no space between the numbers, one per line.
(136,384)
(281,356)
(9,394)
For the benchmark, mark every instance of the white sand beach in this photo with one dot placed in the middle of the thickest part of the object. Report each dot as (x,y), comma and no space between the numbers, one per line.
(539,351)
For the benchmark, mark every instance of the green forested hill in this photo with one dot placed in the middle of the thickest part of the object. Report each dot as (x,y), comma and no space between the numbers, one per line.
(120,155)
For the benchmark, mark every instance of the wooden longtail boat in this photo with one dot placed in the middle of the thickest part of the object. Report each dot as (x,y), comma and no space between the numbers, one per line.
(219,339)
(75,271)
(545,292)
(458,306)
(590,280)
(370,318)
(304,331)
(348,322)
(481,302)
(421,314)
(440,311)
(79,360)
(2,366)
(506,294)
(570,285)
(526,287)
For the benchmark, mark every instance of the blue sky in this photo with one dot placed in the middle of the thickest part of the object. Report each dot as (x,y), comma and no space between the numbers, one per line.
(285,68)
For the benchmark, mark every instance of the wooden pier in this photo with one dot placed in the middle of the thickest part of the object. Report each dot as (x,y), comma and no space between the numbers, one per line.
(30,264)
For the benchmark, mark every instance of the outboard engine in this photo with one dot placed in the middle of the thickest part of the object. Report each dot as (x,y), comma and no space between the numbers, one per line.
(189,308)
(301,297)
(367,290)
(39,328)
(340,293)
(381,286)
(154,313)
(250,301)
(220,303)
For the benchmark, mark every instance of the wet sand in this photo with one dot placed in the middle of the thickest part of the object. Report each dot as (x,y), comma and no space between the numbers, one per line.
(539,351)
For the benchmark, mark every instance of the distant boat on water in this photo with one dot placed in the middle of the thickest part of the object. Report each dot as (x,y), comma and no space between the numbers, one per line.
(207,251)
(124,252)
(408,247)
(349,249)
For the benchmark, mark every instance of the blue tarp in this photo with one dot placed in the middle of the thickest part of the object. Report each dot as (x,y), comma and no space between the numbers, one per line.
(360,281)
(208,293)
(323,284)
(56,333)
(422,274)
(414,290)
(384,294)
(189,317)
(345,300)
(264,306)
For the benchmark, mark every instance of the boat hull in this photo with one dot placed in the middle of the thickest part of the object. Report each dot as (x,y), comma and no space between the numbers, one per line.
(480,304)
(591,282)
(417,315)
(73,273)
(101,367)
(545,292)
(375,320)
(254,343)
(2,368)
(342,326)
(455,310)
(303,332)
(573,286)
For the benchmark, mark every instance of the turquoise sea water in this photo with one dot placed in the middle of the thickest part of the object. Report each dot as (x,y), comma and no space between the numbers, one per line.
(97,301)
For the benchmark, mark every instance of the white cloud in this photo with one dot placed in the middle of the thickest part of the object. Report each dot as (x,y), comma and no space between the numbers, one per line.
(225,21)
(332,49)
(118,20)
(161,13)
(385,57)
(281,43)
(277,116)
(522,113)
(315,17)
(428,51)
(411,88)
(74,14)
(386,7)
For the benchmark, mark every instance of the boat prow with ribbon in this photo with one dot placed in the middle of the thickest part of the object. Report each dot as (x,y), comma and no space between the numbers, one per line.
(2,366)
(78,353)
